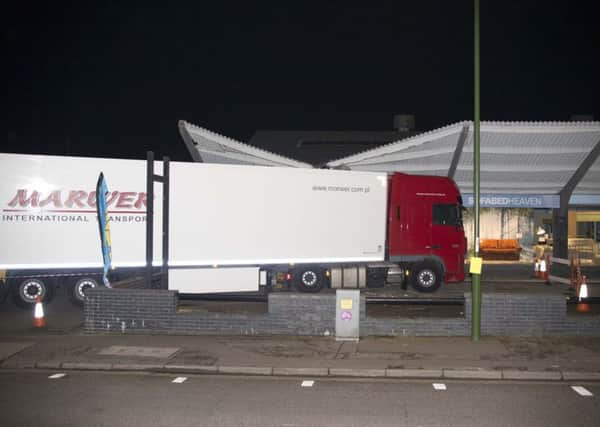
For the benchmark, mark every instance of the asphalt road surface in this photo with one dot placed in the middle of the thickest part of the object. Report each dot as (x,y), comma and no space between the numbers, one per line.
(108,399)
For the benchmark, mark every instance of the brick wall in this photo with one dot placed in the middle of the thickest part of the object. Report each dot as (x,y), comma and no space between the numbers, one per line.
(155,311)
(518,314)
(402,326)
(129,310)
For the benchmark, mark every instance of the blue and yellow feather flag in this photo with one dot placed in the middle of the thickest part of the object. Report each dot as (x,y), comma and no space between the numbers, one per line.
(103,223)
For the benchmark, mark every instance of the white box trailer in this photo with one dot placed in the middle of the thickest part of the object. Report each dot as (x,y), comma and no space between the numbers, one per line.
(229,225)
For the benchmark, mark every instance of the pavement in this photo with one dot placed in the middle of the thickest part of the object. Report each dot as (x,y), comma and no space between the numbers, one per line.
(545,359)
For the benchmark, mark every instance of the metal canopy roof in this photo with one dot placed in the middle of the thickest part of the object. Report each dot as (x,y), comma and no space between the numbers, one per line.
(516,157)
(210,147)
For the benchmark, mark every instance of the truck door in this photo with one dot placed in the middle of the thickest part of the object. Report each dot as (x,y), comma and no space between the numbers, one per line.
(448,239)
(409,229)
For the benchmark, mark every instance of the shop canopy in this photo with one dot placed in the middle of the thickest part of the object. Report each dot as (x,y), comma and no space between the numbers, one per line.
(525,164)
(210,147)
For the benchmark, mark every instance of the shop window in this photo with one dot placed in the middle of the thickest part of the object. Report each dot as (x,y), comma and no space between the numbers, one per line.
(585,230)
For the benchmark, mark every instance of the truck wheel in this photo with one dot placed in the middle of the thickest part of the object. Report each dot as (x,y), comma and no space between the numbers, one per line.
(426,276)
(26,291)
(308,279)
(78,288)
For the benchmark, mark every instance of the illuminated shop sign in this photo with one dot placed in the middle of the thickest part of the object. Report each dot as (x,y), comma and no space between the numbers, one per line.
(542,201)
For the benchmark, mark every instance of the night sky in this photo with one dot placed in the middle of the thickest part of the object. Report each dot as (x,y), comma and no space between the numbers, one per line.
(111,80)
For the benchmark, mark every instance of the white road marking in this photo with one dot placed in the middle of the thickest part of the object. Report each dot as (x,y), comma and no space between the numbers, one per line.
(308,383)
(439,386)
(56,376)
(179,380)
(582,391)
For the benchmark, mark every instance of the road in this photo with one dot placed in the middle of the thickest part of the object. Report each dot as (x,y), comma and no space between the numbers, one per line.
(109,399)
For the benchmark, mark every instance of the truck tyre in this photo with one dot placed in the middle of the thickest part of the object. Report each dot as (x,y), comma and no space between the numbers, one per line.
(78,287)
(309,279)
(426,276)
(26,291)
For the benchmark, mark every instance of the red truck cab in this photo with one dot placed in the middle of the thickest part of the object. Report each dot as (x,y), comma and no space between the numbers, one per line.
(425,229)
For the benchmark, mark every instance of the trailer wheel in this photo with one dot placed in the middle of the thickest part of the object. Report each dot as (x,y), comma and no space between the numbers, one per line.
(26,291)
(426,276)
(308,279)
(78,287)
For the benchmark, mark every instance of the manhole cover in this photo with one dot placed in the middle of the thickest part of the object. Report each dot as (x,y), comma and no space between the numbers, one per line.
(125,350)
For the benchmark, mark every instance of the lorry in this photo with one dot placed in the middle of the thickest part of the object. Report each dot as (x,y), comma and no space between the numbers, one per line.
(232,228)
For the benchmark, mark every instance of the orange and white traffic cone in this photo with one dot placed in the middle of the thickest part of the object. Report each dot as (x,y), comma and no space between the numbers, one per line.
(543,270)
(38,315)
(582,306)
(536,269)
